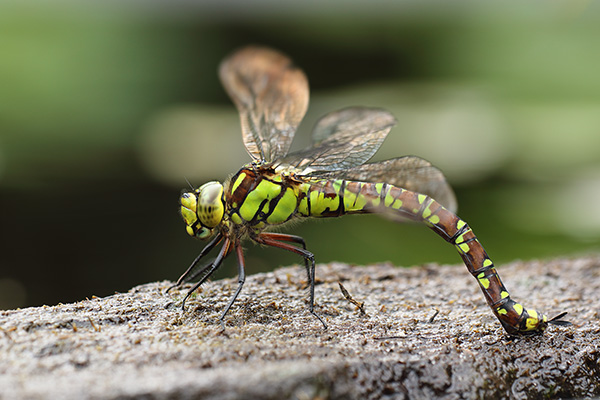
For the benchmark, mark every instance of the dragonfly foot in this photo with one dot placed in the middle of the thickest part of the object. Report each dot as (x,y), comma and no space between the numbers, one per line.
(319,318)
(222,324)
(173,286)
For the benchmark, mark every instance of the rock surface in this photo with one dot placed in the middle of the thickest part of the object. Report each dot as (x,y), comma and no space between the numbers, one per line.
(140,344)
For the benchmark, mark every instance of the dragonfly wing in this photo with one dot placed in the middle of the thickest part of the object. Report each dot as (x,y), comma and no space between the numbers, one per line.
(271,95)
(410,172)
(344,139)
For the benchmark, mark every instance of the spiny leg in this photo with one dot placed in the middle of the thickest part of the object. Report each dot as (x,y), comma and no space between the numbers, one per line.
(201,272)
(241,279)
(204,252)
(275,240)
(310,272)
(213,267)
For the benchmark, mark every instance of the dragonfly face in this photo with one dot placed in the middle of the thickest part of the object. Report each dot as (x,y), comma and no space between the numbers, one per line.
(203,209)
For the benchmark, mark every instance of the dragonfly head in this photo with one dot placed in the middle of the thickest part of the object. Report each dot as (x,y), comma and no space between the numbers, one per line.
(203,209)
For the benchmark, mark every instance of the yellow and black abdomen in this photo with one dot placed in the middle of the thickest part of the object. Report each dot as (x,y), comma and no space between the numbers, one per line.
(338,197)
(334,198)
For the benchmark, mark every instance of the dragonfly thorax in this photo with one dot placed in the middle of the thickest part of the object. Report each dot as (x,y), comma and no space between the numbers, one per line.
(203,209)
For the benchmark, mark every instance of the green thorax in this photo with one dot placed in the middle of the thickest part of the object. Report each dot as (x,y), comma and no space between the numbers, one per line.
(258,196)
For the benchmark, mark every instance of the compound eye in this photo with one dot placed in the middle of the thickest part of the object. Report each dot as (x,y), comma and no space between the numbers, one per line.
(210,204)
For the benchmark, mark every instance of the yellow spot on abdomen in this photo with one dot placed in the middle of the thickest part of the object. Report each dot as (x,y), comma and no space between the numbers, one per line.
(354,201)
(434,219)
(532,322)
(426,212)
(518,308)
(388,200)
(485,283)
(463,247)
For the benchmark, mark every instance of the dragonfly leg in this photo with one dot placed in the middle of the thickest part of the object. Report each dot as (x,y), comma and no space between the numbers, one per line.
(213,267)
(203,271)
(310,270)
(241,279)
(277,240)
(204,252)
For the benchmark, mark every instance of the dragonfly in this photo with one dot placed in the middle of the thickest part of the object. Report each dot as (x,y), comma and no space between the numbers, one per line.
(330,178)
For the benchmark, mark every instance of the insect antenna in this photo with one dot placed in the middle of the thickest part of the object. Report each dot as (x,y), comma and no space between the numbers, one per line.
(188,182)
(558,321)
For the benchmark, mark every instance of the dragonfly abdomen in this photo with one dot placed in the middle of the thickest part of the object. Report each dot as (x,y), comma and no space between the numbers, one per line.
(360,197)
(334,198)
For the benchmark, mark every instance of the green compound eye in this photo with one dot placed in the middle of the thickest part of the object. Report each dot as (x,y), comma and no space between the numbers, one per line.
(210,204)
(203,209)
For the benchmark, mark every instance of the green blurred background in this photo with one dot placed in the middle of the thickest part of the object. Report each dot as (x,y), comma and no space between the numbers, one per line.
(106,108)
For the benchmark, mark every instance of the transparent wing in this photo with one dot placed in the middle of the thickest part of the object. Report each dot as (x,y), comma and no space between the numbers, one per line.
(410,172)
(271,95)
(344,139)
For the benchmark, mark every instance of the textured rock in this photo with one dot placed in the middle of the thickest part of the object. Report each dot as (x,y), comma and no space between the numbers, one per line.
(140,344)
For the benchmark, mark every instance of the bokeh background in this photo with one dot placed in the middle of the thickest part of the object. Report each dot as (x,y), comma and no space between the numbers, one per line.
(107,107)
